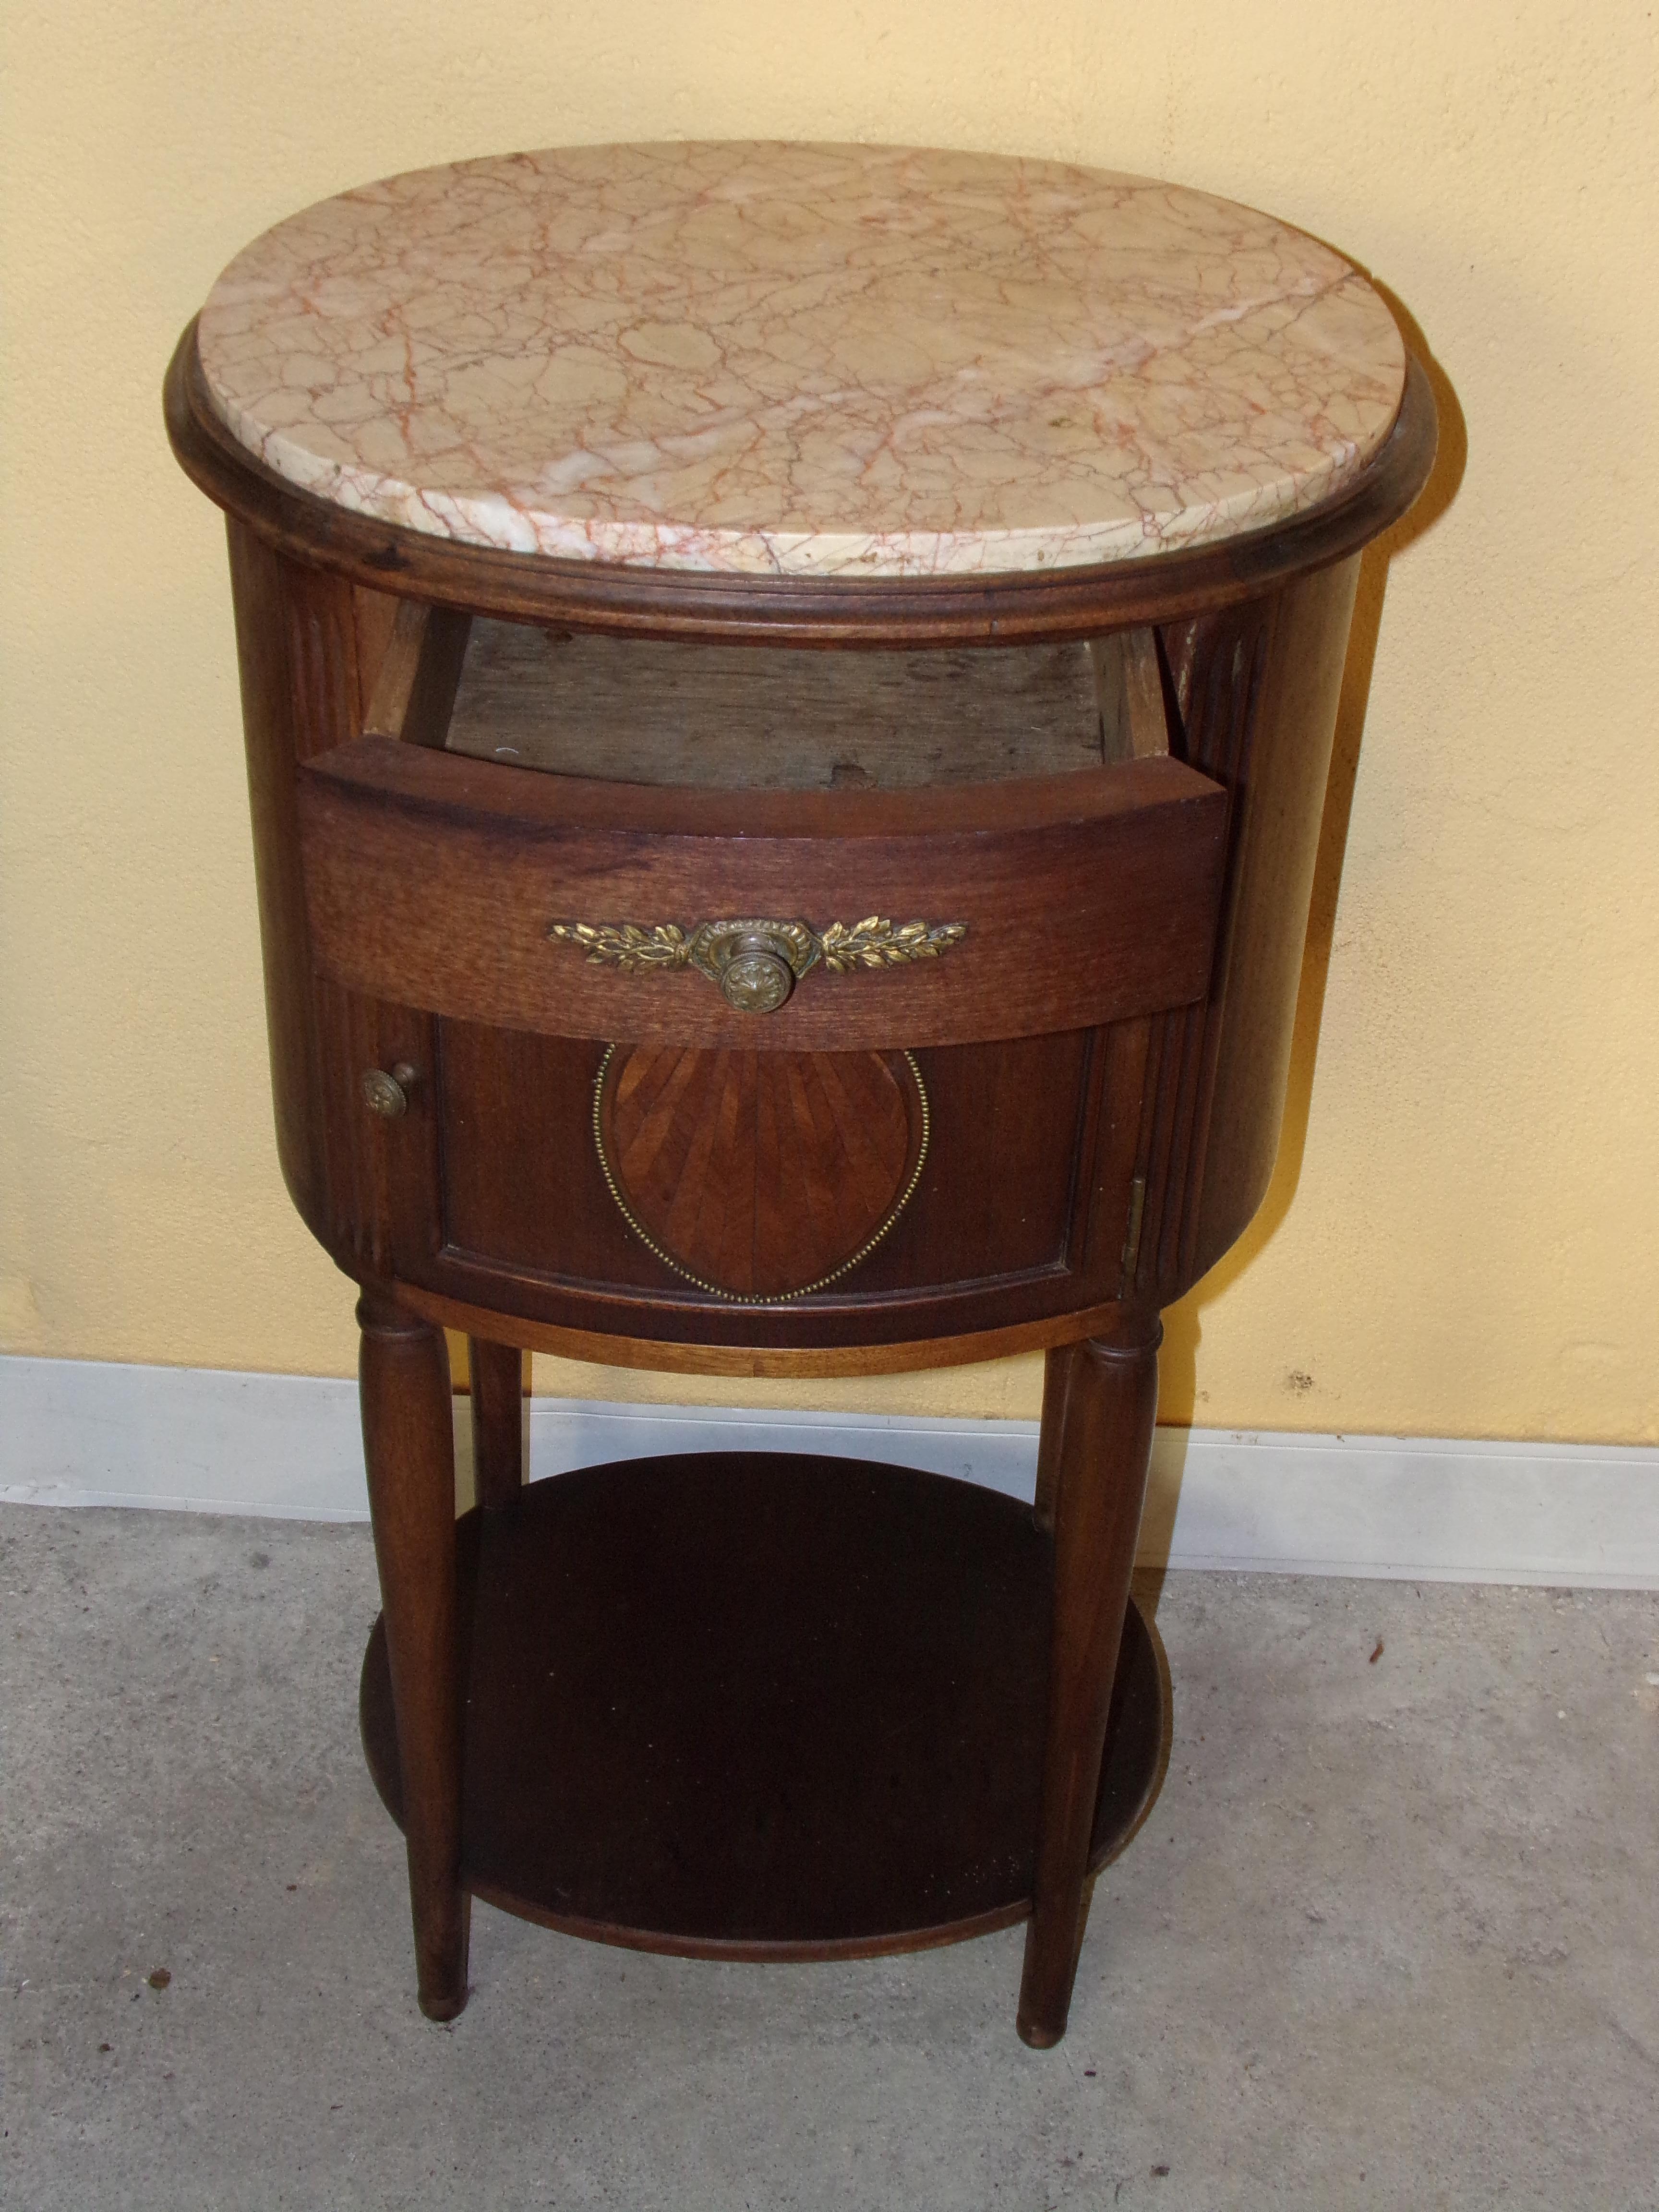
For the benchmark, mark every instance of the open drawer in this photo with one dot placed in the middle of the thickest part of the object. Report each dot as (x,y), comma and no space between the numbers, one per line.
(774,849)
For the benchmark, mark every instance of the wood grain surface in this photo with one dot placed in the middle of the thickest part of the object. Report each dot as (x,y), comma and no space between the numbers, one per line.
(754,717)
(760,1173)
(1105,1450)
(764,1706)
(410,1454)
(760,1707)
(432,880)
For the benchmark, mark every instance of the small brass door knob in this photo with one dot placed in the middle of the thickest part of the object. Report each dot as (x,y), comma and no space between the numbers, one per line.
(388,1094)
(756,976)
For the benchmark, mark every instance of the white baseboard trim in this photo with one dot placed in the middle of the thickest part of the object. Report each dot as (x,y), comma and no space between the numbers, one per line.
(75,1432)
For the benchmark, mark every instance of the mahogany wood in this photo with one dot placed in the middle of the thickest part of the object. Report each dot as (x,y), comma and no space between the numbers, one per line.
(1057,1365)
(408,1448)
(703,1353)
(1105,1057)
(761,1174)
(496,1380)
(752,1706)
(414,693)
(297,648)
(1106,1443)
(375,617)
(1022,607)
(309,648)
(1130,695)
(1283,755)
(381,1172)
(432,879)
(1023,1161)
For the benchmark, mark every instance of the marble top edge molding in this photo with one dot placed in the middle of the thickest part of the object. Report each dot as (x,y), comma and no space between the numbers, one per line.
(801,359)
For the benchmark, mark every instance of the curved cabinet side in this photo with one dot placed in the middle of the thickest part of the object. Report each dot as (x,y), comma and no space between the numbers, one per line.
(1259,965)
(297,655)
(1257,690)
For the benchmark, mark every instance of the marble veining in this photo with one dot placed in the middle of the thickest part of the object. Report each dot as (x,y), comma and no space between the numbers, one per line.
(802,359)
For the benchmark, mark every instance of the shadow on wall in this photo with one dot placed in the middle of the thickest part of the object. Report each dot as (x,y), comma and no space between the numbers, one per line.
(1183,1323)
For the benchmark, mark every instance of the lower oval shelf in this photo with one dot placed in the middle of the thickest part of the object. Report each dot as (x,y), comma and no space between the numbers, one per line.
(760,1705)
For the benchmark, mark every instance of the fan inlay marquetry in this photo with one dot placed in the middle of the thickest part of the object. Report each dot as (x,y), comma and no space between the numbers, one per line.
(760,1176)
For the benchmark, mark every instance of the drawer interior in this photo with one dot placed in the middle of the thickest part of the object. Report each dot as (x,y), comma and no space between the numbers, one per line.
(759,717)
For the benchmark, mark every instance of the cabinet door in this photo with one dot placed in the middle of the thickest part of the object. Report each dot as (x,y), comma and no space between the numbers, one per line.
(742,1198)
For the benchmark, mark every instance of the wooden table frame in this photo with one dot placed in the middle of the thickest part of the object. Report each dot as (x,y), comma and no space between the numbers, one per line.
(1162,1029)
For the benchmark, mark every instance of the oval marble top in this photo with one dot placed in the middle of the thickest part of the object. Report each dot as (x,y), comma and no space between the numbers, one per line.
(802,359)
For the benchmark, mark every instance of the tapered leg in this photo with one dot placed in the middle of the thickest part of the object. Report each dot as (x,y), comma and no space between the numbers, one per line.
(497,1419)
(1057,1367)
(410,1449)
(1110,1404)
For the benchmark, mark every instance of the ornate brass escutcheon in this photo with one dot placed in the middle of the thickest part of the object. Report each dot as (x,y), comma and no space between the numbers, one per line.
(757,964)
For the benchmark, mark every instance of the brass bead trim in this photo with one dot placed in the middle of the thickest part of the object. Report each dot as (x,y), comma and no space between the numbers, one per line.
(751,1297)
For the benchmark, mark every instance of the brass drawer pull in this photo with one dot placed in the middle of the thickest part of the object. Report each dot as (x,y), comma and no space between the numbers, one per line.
(758,964)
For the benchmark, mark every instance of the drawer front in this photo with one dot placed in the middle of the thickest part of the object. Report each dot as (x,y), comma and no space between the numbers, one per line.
(573,909)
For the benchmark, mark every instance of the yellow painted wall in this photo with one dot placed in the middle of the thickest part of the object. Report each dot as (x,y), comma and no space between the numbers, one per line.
(1462,1236)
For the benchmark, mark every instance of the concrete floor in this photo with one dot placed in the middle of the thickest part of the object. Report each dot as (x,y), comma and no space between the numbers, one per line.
(1390,1937)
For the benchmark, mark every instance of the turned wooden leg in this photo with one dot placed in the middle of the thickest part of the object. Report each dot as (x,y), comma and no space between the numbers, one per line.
(1106,1443)
(497,1372)
(1057,1367)
(409,1444)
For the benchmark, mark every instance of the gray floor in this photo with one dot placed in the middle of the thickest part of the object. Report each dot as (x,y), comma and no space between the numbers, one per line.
(1390,1936)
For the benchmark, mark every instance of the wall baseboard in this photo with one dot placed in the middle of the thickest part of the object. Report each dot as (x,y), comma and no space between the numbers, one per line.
(75,1432)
